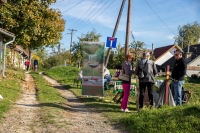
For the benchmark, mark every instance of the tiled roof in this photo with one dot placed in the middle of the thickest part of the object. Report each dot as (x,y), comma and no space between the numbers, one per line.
(159,51)
(3,1)
(5,31)
(19,48)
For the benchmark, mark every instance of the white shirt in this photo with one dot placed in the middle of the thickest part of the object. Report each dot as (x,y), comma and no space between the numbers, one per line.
(106,72)
(80,74)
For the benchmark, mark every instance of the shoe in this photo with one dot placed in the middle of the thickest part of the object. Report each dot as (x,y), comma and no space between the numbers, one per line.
(122,110)
(126,110)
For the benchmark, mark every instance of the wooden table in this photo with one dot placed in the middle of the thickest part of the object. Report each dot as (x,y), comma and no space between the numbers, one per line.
(118,89)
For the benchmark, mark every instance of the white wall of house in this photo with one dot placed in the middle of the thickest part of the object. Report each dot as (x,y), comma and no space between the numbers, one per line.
(17,60)
(193,67)
(165,57)
(195,63)
(190,72)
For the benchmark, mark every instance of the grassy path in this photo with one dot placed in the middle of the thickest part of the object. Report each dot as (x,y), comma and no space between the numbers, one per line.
(24,110)
(82,118)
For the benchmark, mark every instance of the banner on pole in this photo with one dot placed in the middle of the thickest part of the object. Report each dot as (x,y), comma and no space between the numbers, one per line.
(93,62)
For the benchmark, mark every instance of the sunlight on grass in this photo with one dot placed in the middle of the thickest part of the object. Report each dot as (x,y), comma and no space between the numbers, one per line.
(10,89)
(185,118)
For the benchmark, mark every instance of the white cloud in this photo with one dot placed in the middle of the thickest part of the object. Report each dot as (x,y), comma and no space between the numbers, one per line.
(171,37)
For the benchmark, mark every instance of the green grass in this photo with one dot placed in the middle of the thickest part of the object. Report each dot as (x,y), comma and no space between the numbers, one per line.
(10,89)
(51,103)
(185,118)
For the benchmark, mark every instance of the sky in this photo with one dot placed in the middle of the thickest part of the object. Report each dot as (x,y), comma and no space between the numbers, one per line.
(152,21)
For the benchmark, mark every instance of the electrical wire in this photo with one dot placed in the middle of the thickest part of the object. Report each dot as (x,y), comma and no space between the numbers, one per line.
(94,13)
(73,6)
(89,15)
(99,14)
(83,14)
(160,18)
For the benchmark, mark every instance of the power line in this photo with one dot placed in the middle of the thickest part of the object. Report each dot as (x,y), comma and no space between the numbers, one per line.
(73,6)
(90,13)
(160,18)
(95,13)
(84,14)
(98,15)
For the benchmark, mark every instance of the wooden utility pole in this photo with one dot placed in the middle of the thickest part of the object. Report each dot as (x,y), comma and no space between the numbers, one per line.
(115,30)
(72,30)
(167,86)
(128,27)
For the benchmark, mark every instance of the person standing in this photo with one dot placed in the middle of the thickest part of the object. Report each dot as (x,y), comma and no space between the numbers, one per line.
(178,72)
(107,77)
(148,81)
(35,64)
(27,64)
(80,75)
(126,85)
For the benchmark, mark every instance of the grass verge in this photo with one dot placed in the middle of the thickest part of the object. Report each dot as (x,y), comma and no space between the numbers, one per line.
(51,103)
(10,89)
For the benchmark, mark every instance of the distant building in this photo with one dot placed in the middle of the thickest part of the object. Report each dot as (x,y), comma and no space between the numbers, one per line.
(192,57)
(165,56)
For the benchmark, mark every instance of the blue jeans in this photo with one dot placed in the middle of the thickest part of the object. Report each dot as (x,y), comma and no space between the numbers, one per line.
(178,91)
(106,80)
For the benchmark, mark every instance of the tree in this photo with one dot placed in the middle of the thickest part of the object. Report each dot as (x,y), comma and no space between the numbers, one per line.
(137,48)
(34,23)
(56,60)
(91,36)
(189,33)
(77,48)
(116,58)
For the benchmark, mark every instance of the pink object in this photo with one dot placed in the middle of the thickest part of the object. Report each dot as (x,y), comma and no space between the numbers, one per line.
(126,89)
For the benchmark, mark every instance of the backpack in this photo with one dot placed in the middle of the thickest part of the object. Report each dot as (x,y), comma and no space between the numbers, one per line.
(141,73)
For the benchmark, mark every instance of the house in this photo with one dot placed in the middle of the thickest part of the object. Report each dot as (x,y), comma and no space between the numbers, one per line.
(3,1)
(17,56)
(10,38)
(192,57)
(165,56)
(191,54)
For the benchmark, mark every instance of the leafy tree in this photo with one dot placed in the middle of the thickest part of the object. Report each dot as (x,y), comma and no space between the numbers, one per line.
(91,36)
(34,23)
(77,53)
(188,33)
(41,55)
(137,48)
(56,59)
(116,58)
(77,48)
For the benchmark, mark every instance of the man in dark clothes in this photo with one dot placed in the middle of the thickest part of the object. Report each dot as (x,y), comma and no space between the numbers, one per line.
(35,63)
(178,72)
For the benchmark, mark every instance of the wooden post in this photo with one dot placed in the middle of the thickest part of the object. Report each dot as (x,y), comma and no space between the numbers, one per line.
(128,27)
(167,86)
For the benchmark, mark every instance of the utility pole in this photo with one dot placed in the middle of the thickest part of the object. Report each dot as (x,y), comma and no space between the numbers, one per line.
(115,30)
(72,30)
(128,26)
(59,49)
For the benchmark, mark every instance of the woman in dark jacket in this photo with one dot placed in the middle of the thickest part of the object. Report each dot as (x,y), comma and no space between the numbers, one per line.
(127,68)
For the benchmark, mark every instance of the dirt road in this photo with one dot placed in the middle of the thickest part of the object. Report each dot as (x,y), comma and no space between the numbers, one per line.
(75,117)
